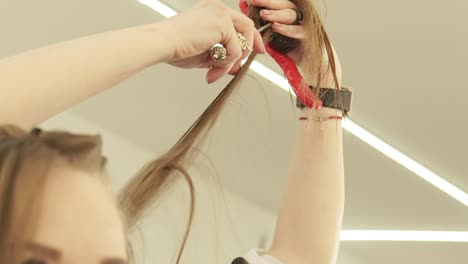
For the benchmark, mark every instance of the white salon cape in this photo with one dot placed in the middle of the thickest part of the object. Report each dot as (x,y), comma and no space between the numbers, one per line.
(257,256)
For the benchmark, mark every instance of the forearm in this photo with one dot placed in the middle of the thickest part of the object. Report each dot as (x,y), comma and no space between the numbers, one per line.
(311,209)
(312,205)
(37,84)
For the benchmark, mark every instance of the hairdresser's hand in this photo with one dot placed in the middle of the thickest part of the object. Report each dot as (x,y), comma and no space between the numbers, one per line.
(196,30)
(282,15)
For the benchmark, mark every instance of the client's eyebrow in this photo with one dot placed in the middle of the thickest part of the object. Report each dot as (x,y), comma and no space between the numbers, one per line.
(113,261)
(55,254)
(44,251)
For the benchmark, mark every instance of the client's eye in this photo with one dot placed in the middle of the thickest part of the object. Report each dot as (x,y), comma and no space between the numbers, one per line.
(34,261)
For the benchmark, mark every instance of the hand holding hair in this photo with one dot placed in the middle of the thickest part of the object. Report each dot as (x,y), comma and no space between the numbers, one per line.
(195,31)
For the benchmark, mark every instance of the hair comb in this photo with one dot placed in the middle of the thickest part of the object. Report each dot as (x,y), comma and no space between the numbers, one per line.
(288,65)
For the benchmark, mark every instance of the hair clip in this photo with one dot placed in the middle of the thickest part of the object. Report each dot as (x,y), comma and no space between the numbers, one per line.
(36,132)
(239,261)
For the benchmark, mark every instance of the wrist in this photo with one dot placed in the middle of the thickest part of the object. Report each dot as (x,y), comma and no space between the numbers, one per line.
(160,39)
(323,112)
(327,77)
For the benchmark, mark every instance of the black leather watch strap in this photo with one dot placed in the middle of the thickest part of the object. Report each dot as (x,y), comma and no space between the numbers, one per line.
(332,98)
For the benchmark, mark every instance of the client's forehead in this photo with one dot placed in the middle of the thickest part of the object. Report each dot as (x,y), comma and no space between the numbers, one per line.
(78,217)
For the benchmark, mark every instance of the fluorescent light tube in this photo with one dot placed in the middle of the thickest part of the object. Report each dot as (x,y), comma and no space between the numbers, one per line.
(397,235)
(406,162)
(159,7)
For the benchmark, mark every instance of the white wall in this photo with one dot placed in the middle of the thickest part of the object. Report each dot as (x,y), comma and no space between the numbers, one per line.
(225,224)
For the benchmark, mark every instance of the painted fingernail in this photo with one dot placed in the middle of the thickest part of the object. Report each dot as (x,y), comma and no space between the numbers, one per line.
(266,12)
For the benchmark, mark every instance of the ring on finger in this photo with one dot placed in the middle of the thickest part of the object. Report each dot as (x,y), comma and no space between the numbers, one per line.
(218,53)
(299,17)
(245,45)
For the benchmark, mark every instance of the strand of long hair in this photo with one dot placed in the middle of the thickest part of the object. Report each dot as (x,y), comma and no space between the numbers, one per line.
(156,177)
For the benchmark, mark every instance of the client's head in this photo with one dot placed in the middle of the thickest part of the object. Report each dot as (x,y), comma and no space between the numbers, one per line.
(55,205)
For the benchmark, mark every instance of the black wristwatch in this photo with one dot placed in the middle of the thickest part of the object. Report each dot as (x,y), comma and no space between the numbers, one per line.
(333,98)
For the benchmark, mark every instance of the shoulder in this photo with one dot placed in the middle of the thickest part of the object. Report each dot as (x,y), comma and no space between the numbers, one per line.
(256,256)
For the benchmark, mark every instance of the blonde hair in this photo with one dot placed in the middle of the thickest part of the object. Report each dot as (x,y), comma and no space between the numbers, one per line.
(25,158)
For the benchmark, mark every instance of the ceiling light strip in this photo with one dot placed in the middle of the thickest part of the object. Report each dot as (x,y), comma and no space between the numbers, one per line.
(159,7)
(397,235)
(406,161)
(349,125)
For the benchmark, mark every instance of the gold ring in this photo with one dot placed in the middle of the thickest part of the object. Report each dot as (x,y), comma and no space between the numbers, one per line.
(218,53)
(243,41)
